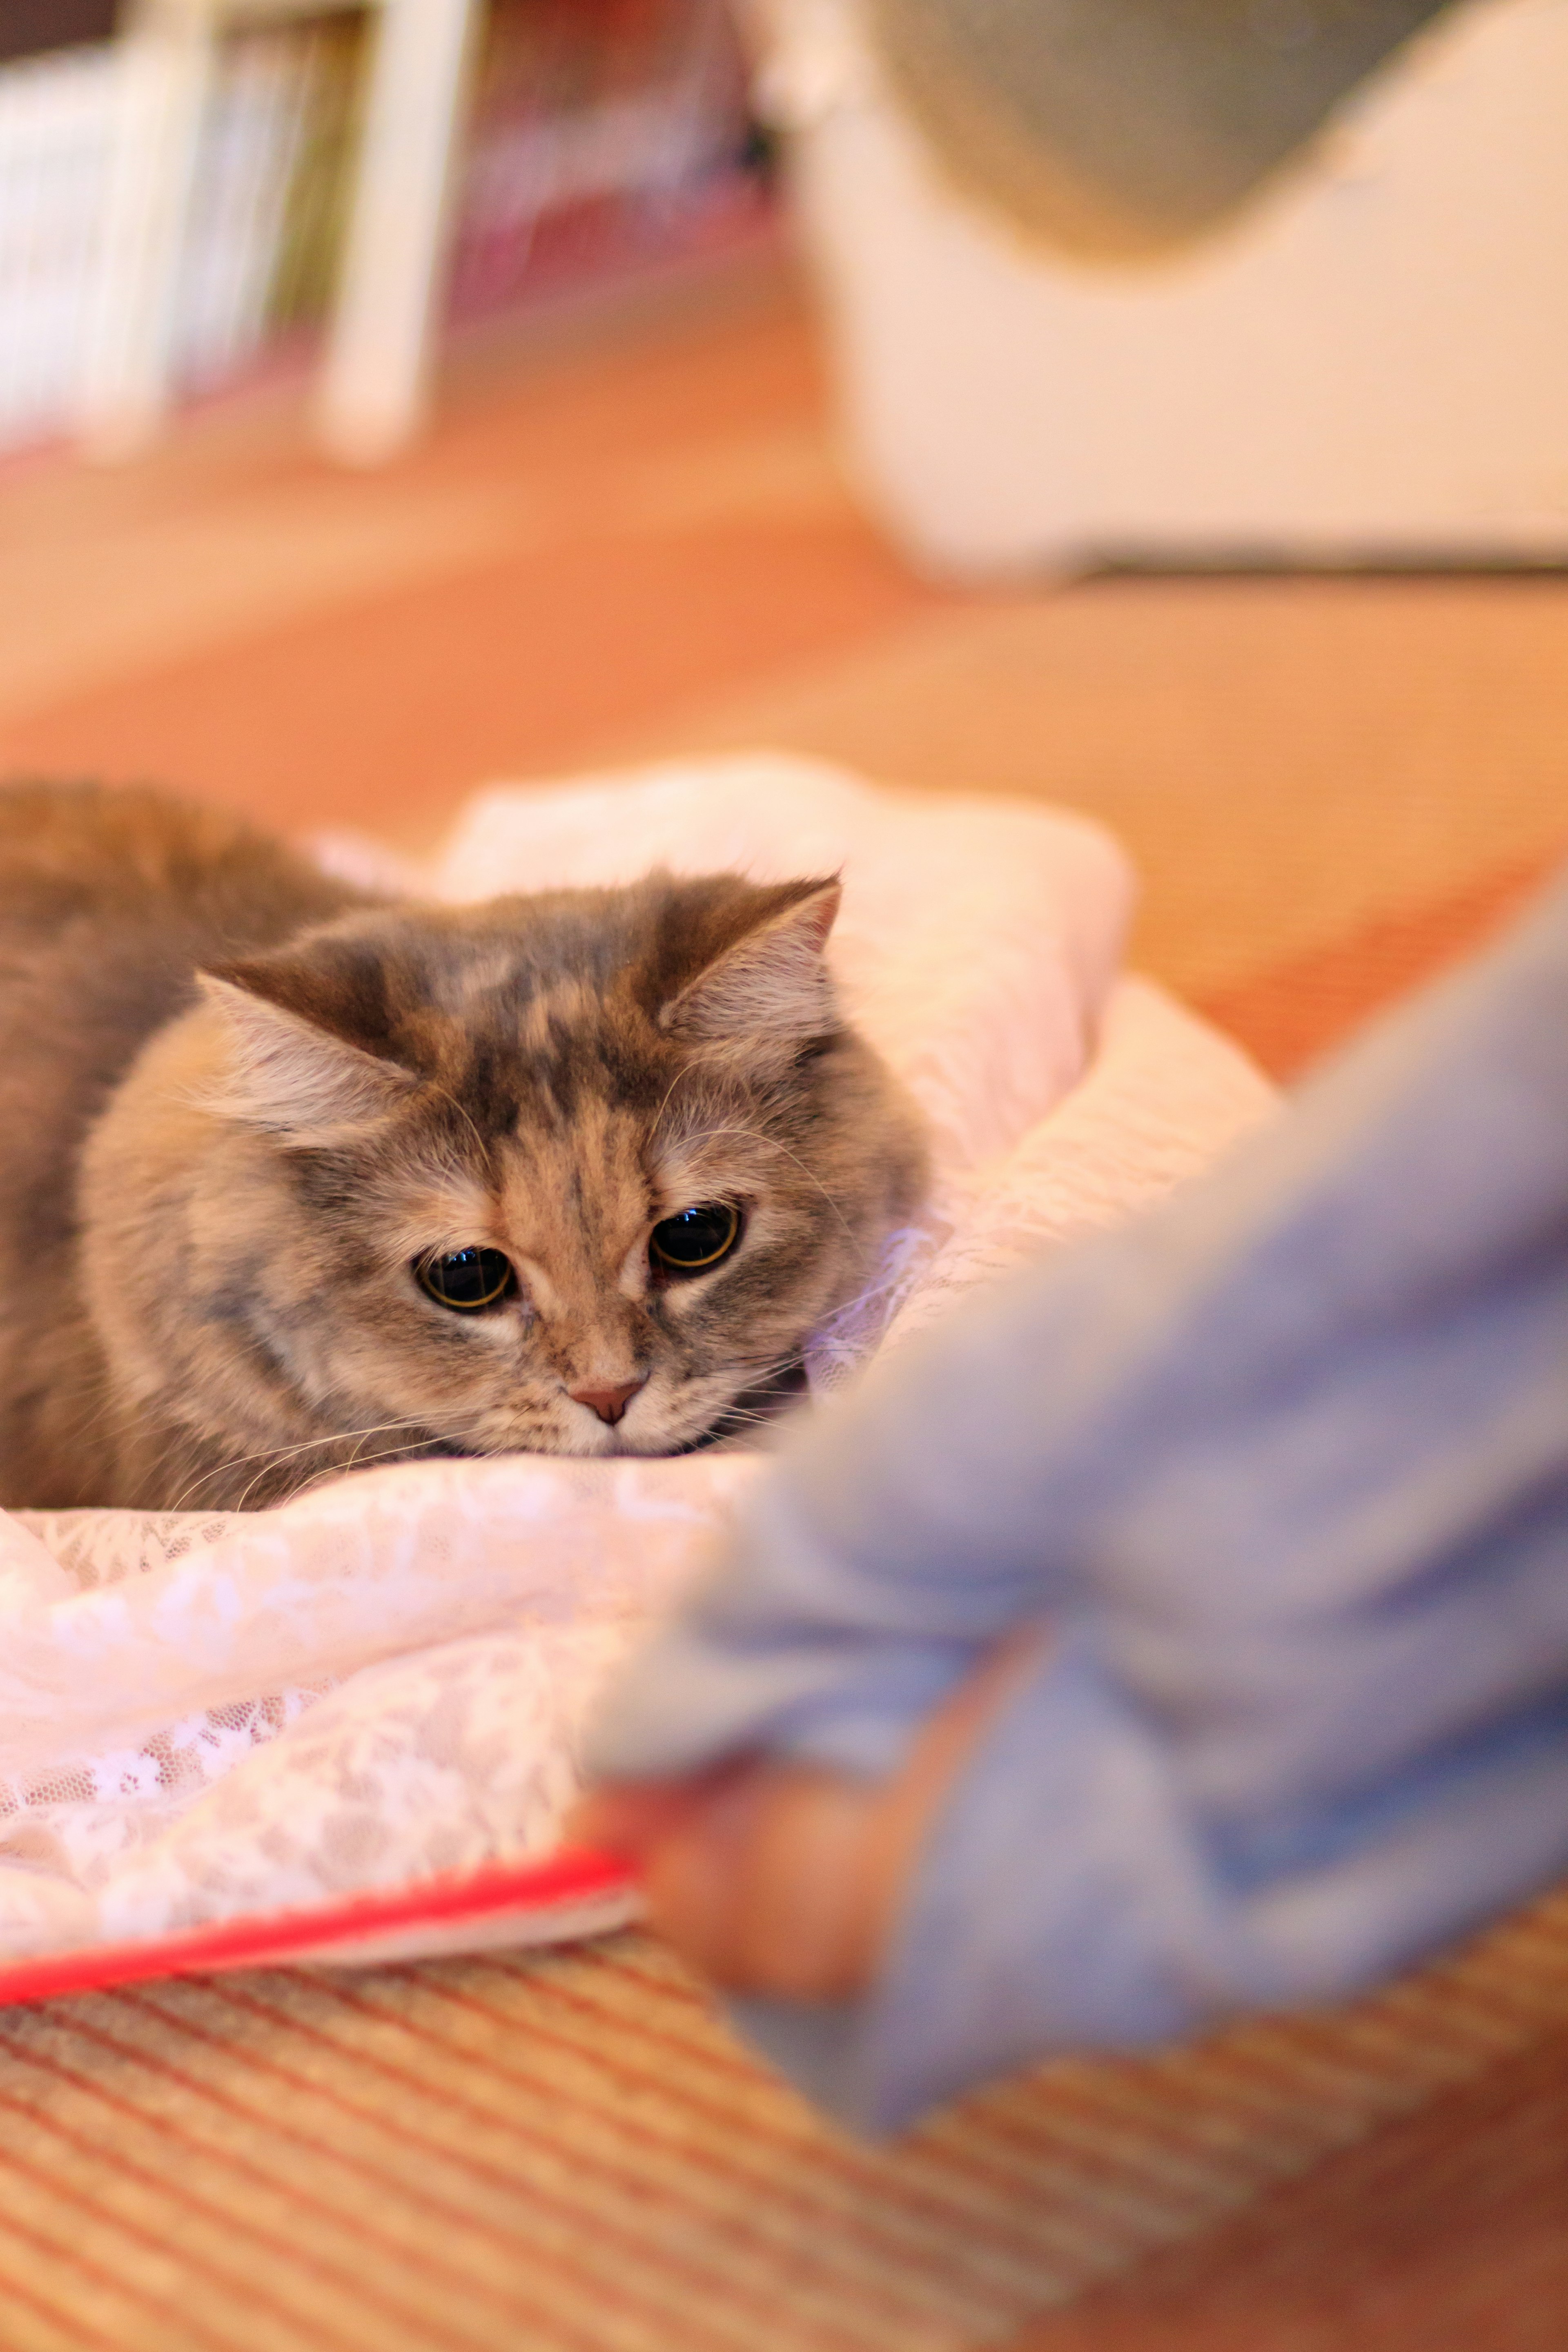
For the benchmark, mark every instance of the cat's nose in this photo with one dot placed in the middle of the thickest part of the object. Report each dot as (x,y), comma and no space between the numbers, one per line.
(608,1403)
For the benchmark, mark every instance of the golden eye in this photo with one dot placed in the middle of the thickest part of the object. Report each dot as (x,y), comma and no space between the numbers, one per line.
(467,1280)
(695,1239)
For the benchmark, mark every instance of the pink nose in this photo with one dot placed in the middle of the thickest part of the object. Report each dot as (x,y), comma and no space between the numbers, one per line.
(608,1403)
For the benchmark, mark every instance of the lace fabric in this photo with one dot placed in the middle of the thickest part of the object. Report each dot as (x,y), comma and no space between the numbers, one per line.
(206,1716)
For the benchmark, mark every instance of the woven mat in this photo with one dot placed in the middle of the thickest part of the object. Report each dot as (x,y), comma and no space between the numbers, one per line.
(569,2152)
(1444,2231)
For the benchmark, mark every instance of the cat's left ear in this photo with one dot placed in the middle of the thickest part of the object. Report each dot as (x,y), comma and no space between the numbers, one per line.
(293,1074)
(771,986)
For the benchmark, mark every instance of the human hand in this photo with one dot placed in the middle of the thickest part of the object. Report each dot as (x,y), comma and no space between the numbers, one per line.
(786,1879)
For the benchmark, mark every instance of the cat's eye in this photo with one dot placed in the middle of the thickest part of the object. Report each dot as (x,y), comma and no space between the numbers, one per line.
(695,1239)
(467,1280)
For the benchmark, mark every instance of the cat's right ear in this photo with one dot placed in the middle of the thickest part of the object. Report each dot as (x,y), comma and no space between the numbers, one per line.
(290,1076)
(770,986)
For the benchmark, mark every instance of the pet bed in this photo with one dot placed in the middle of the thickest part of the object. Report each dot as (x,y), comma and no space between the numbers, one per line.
(344,1729)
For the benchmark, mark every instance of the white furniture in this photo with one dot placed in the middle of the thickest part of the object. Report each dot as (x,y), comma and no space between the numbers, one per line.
(1371,362)
(373,388)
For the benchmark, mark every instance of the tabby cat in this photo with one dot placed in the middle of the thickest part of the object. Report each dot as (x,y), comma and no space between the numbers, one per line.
(294,1179)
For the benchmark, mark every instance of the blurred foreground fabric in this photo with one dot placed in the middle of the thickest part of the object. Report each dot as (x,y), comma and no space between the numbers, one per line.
(1279,1472)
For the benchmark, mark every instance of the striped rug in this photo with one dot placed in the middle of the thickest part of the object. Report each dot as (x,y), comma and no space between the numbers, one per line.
(571,2152)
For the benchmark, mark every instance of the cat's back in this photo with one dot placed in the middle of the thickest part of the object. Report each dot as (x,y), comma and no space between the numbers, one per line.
(118,858)
(111,900)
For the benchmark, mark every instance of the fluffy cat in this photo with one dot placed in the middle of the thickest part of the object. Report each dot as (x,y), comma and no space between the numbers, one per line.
(293,1178)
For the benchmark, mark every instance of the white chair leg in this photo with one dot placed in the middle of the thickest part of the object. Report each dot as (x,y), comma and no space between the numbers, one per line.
(124,387)
(374,389)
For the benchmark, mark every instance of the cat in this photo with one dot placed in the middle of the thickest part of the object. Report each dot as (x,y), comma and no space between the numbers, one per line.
(294,1178)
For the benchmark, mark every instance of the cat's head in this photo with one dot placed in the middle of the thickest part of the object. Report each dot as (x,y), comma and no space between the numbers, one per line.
(576,1173)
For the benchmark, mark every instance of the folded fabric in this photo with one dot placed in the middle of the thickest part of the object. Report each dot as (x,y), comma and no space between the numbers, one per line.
(1284,1466)
(209,1718)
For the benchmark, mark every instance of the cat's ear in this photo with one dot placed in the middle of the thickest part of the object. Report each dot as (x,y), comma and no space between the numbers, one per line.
(290,1074)
(769,986)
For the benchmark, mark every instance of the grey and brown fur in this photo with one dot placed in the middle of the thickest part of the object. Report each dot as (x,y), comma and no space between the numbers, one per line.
(240,1102)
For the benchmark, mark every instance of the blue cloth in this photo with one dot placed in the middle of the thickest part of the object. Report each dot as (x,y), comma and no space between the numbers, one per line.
(1285,1463)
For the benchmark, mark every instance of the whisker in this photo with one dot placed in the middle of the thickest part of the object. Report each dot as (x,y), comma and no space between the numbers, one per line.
(336,1469)
(484,1151)
(330,1471)
(269,1456)
(357,1460)
(755,1135)
(684,1072)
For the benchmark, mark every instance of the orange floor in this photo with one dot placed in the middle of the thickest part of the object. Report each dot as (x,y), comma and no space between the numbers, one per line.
(586,541)
(633,539)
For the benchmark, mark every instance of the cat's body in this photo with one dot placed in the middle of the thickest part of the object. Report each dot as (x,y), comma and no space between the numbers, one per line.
(572,1173)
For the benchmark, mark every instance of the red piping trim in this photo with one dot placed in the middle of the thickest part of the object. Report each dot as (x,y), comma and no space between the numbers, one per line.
(572,1874)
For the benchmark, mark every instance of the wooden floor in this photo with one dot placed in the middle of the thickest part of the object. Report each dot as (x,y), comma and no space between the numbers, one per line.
(636,541)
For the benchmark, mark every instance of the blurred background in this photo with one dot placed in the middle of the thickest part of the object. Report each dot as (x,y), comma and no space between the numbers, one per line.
(397,398)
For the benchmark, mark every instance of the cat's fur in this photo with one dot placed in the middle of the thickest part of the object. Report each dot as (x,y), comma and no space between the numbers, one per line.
(240,1102)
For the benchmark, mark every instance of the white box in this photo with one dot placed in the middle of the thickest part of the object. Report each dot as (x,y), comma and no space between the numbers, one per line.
(1370,363)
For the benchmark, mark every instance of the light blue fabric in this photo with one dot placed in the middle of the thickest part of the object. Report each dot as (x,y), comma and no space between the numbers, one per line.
(1286,1464)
